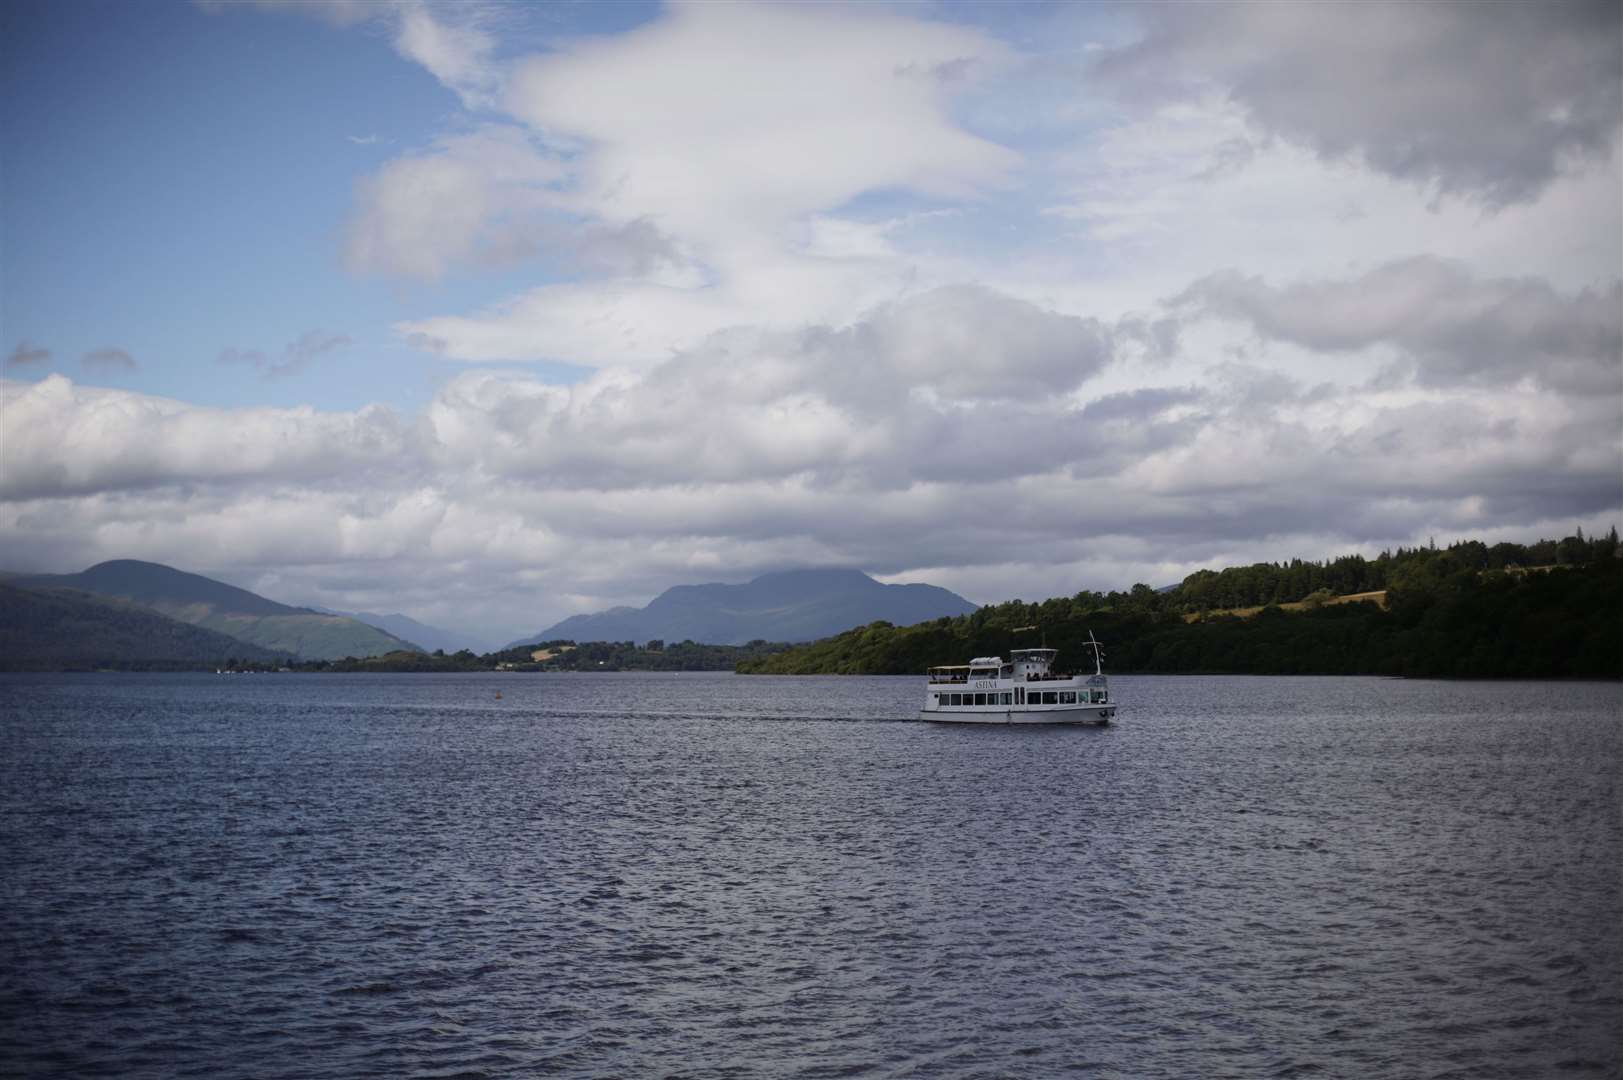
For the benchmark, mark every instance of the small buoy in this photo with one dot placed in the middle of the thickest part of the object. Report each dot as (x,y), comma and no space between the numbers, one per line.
(498,695)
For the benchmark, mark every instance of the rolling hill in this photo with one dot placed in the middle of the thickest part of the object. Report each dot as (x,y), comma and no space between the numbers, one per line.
(47,628)
(225,609)
(794,605)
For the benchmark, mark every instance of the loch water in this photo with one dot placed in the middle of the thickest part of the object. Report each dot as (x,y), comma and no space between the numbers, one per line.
(711,876)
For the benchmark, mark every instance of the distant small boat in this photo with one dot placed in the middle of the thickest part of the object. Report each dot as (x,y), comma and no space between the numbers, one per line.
(1024,690)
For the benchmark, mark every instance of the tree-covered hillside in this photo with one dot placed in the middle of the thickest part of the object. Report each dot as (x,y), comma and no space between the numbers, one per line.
(1450,612)
(55,629)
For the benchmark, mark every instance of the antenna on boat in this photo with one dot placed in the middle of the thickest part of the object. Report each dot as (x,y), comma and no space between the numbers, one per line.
(1098,654)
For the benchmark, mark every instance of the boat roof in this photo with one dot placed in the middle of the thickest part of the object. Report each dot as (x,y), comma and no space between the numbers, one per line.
(1021,653)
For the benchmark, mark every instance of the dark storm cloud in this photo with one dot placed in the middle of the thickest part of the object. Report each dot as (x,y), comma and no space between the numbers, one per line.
(109,359)
(294,358)
(1485,100)
(26,355)
(1458,329)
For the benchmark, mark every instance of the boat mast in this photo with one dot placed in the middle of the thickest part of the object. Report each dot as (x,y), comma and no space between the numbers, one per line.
(1098,654)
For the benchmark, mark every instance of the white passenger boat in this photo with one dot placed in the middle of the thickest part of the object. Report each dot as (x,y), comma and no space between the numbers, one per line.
(1025,689)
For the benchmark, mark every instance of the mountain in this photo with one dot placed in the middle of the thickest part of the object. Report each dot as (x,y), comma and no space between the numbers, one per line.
(795,605)
(428,637)
(225,609)
(46,628)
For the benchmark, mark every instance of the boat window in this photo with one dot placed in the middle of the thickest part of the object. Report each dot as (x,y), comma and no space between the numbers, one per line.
(1050,697)
(1067,697)
(980,699)
(957,699)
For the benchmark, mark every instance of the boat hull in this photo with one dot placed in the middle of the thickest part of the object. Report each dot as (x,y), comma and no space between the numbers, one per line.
(1080,714)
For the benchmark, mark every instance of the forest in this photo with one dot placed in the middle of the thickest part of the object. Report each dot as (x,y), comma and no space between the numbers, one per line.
(1468,611)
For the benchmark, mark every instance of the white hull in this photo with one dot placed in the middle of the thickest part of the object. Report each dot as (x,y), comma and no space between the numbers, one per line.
(1087,714)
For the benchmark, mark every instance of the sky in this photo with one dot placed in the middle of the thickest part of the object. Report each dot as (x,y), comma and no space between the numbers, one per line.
(495,313)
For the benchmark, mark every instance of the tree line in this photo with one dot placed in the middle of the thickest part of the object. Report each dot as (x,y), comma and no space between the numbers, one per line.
(1281,583)
(561,655)
(1468,610)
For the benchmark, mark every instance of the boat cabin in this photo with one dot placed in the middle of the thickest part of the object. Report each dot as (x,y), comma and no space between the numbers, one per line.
(1024,665)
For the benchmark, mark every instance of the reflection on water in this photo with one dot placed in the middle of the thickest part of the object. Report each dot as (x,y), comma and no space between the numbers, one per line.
(712,876)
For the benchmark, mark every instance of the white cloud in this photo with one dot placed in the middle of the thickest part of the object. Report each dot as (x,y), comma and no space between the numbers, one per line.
(721,119)
(1146,211)
(63,439)
(1489,102)
(1456,328)
(457,53)
(459,202)
(721,134)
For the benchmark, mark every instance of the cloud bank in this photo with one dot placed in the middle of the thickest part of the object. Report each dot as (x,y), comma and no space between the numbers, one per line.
(1059,298)
(903,442)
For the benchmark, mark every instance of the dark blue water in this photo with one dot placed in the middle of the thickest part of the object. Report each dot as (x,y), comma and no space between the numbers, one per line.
(714,876)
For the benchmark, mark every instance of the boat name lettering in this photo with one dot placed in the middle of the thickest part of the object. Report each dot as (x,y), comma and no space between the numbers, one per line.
(991,683)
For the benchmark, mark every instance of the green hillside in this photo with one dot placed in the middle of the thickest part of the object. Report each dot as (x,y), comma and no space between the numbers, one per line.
(226,609)
(1448,615)
(310,636)
(56,629)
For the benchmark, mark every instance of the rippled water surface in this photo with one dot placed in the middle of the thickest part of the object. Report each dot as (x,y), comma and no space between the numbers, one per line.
(716,876)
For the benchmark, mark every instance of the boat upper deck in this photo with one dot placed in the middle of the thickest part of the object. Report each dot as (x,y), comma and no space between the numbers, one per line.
(1023,665)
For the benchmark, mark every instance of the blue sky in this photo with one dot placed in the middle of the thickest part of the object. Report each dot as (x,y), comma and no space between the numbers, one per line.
(491,313)
(177,183)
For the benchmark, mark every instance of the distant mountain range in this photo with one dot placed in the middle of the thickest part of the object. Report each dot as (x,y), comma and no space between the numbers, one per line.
(429,637)
(197,601)
(795,605)
(128,613)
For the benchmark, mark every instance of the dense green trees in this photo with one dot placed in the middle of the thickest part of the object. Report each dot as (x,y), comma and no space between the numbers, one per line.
(1283,583)
(1449,613)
